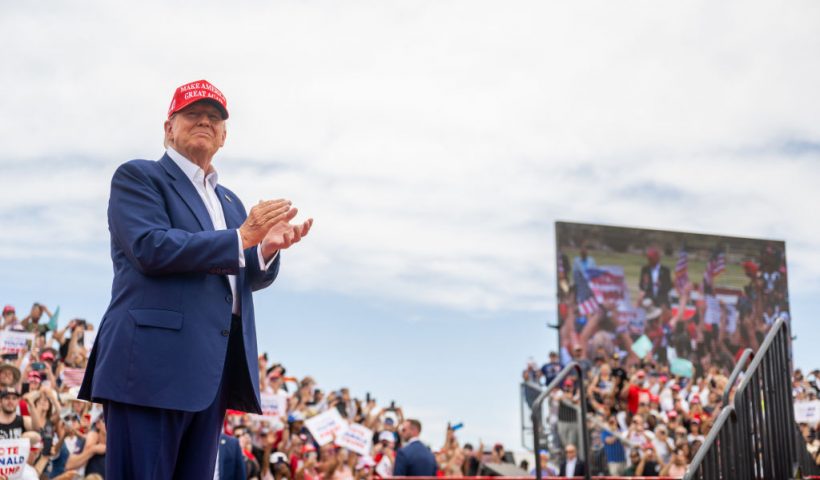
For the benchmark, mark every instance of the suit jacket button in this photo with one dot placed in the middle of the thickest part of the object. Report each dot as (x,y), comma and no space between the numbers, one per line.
(225,333)
(229,298)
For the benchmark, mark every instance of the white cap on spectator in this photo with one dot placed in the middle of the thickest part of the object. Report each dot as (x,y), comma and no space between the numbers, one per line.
(387,437)
(365,462)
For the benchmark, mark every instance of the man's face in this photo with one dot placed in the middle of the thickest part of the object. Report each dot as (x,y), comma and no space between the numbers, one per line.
(571,452)
(197,130)
(6,377)
(407,431)
(8,402)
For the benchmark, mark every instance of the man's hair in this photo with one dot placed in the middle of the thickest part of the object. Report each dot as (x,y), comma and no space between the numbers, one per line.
(415,423)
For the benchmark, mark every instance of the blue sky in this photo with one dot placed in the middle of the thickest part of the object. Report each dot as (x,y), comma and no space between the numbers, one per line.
(435,143)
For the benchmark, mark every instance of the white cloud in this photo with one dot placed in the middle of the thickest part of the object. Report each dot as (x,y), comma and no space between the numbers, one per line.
(434,142)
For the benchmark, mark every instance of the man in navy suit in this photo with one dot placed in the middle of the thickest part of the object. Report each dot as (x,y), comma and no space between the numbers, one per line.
(177,344)
(414,459)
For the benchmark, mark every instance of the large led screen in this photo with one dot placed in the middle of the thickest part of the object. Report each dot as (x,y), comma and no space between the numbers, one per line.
(683,300)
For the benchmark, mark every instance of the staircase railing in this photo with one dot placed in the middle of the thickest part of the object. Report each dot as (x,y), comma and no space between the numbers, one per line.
(754,436)
(537,419)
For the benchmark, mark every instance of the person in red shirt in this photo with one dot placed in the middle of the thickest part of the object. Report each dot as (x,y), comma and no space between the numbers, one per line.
(636,392)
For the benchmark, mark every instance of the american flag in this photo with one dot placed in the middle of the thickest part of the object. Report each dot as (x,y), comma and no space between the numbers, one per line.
(715,266)
(560,265)
(73,377)
(584,297)
(682,270)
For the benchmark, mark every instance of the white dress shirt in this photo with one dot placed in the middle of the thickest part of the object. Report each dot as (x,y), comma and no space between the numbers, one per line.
(571,467)
(205,186)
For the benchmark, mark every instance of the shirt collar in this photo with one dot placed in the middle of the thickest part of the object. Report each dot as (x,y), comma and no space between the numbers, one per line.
(190,169)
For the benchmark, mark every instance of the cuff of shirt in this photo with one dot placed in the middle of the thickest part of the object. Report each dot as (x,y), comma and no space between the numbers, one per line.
(262,265)
(241,253)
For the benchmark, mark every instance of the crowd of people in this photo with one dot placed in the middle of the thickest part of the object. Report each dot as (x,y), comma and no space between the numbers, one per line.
(43,364)
(643,420)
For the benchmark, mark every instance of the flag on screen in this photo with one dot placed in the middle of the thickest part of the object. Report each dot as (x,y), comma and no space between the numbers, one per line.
(718,264)
(73,377)
(560,265)
(584,297)
(682,269)
(714,267)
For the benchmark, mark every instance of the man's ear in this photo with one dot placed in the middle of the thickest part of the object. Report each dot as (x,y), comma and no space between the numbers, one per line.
(168,132)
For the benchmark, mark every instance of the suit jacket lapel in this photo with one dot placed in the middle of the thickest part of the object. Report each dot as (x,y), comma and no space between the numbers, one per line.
(230,207)
(233,219)
(186,190)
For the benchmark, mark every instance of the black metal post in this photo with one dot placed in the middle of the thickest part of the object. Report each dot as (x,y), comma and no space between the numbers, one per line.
(536,416)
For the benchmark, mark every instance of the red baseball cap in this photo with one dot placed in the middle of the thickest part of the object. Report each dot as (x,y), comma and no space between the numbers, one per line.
(8,309)
(195,92)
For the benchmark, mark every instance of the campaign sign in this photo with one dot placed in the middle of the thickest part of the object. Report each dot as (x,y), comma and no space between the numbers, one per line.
(642,346)
(356,438)
(807,412)
(274,404)
(682,367)
(13,456)
(15,342)
(608,285)
(326,426)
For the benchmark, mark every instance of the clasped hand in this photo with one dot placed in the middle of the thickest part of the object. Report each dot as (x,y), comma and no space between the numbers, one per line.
(268,224)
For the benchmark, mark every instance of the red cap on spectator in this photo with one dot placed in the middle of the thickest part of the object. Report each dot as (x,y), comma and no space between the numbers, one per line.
(750,268)
(195,92)
(695,399)
(34,377)
(653,399)
(672,413)
(676,387)
(8,309)
(640,374)
(47,356)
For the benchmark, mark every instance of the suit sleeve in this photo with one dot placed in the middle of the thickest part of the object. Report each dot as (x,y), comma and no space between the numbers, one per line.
(140,225)
(238,461)
(400,467)
(258,278)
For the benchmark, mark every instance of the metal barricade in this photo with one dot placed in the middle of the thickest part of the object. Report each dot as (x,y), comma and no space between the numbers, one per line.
(754,436)
(537,417)
(529,392)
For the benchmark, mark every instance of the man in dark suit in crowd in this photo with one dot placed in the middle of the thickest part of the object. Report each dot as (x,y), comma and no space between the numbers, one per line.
(572,466)
(177,344)
(231,460)
(414,459)
(656,280)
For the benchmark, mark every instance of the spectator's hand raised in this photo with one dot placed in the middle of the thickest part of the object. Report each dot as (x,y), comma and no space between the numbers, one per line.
(261,218)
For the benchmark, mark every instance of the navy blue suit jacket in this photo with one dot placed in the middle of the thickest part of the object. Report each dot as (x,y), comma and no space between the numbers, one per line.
(163,339)
(415,460)
(231,459)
